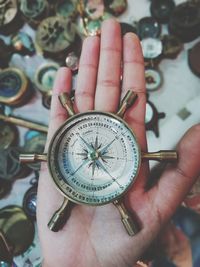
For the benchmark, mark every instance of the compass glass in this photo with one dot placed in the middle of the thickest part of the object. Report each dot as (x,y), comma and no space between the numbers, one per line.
(94,158)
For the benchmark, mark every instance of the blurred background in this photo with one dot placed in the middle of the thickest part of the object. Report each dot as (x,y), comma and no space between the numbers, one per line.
(39,36)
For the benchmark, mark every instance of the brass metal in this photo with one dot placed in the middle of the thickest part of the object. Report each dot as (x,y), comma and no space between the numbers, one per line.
(128,100)
(162,155)
(59,217)
(130,226)
(20,96)
(24,123)
(30,158)
(66,102)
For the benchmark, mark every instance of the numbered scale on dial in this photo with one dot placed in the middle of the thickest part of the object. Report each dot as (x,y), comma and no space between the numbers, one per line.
(94,158)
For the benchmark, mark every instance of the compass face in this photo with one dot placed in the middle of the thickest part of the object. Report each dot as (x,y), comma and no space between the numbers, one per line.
(94,158)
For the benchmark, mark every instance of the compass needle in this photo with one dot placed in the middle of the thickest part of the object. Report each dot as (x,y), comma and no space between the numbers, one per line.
(87,144)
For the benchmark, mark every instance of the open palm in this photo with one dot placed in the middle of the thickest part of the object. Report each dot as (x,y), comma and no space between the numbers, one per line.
(95,236)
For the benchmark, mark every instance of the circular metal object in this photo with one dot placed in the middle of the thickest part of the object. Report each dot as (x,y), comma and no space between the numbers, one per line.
(194,59)
(185,21)
(172,46)
(152,48)
(8,135)
(153,79)
(55,35)
(94,158)
(161,10)
(30,202)
(66,8)
(148,27)
(13,87)
(45,76)
(34,11)
(72,62)
(17,228)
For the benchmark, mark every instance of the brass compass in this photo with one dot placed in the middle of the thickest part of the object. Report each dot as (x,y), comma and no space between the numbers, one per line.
(94,158)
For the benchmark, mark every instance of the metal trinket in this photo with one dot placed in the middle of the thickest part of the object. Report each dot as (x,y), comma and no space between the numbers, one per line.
(84,163)
(55,35)
(148,27)
(14,87)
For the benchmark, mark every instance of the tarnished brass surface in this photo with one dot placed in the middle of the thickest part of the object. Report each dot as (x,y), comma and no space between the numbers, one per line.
(30,158)
(162,155)
(128,222)
(59,217)
(128,100)
(24,123)
(66,102)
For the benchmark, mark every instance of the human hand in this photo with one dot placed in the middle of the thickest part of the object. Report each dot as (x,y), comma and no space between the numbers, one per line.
(94,236)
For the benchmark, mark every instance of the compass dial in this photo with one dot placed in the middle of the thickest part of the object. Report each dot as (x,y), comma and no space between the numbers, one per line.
(94,158)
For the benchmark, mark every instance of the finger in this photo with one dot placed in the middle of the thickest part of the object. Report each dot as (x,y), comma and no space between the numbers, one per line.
(58,114)
(176,181)
(133,78)
(108,81)
(86,83)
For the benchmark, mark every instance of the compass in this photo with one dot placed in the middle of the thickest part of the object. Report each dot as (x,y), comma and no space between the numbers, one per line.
(94,158)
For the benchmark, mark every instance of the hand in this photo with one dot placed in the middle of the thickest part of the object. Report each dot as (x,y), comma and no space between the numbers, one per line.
(95,236)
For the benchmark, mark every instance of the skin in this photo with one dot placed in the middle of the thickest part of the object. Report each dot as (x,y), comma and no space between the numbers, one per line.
(95,236)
